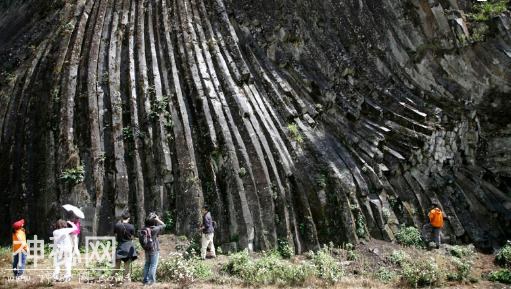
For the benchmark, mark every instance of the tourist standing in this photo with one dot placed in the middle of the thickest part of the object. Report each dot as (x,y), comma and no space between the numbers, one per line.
(125,251)
(436,219)
(19,248)
(63,249)
(208,232)
(149,240)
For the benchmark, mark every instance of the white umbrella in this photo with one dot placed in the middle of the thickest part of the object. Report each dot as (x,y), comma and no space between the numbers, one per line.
(75,210)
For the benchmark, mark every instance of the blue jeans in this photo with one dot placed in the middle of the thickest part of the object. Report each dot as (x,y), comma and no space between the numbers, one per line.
(151,262)
(18,264)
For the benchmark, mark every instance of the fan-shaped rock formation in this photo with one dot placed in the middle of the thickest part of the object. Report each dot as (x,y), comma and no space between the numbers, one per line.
(306,121)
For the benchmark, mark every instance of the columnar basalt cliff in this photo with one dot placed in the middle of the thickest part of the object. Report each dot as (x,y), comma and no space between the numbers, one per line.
(306,121)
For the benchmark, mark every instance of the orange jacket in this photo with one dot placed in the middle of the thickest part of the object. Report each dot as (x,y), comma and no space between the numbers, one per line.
(436,218)
(19,241)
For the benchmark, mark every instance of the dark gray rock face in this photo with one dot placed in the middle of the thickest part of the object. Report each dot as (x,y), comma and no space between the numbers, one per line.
(305,121)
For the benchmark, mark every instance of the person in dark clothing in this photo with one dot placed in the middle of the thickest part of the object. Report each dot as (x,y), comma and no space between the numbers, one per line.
(155,226)
(125,251)
(208,232)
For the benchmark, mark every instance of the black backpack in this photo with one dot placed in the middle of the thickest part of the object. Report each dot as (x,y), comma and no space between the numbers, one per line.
(146,239)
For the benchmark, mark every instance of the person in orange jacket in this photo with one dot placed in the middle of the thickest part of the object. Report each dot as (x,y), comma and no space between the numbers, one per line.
(436,219)
(19,248)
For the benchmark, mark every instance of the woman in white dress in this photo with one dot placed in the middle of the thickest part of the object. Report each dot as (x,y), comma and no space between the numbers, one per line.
(63,249)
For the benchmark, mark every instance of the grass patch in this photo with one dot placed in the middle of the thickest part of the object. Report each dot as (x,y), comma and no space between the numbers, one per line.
(271,269)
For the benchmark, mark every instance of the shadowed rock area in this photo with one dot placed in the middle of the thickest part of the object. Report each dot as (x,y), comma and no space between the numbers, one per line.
(303,121)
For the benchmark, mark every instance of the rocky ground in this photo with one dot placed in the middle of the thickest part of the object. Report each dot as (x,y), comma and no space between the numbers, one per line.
(369,259)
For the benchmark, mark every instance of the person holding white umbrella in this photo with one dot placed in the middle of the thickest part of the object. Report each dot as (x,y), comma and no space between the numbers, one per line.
(63,249)
(76,215)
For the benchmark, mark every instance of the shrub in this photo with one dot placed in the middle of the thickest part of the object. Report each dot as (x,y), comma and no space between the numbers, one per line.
(100,270)
(270,269)
(461,251)
(194,247)
(168,220)
(351,255)
(385,275)
(410,236)
(137,272)
(462,267)
(237,263)
(503,257)
(487,10)
(398,257)
(360,225)
(502,276)
(421,272)
(184,271)
(326,266)
(284,249)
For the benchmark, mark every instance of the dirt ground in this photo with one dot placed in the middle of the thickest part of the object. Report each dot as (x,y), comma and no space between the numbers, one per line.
(359,274)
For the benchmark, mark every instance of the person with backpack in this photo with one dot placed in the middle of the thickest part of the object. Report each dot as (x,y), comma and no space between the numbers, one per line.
(63,249)
(19,248)
(436,219)
(208,232)
(125,251)
(148,237)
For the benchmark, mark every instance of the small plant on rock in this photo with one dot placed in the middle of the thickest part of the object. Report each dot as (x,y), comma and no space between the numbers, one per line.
(73,176)
(484,11)
(295,133)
